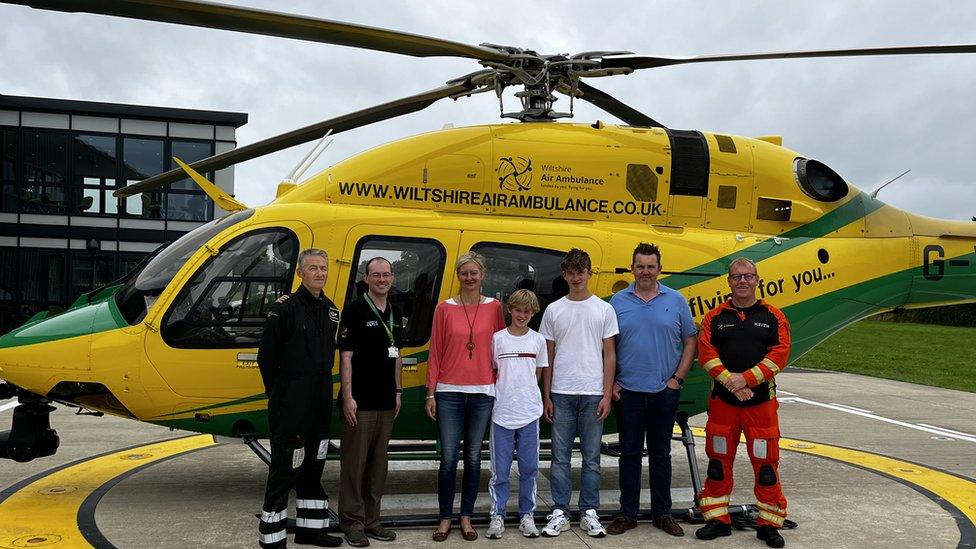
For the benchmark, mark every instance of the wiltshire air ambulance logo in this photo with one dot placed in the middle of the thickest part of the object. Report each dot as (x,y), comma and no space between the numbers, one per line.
(514,173)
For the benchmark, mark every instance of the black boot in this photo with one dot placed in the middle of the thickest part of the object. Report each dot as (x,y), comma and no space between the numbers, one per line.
(713,529)
(319,539)
(770,535)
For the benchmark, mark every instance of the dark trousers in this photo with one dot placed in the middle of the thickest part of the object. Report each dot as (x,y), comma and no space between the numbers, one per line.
(461,416)
(363,458)
(299,412)
(646,418)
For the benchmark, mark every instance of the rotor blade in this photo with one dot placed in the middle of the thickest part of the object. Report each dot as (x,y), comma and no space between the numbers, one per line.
(270,23)
(614,106)
(303,135)
(641,62)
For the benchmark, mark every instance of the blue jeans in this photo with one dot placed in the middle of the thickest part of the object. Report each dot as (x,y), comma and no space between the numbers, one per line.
(575,415)
(461,416)
(646,418)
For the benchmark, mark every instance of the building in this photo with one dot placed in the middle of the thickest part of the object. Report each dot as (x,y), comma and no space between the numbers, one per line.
(62,233)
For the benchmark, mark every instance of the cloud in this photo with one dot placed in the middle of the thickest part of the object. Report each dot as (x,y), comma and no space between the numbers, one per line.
(868,118)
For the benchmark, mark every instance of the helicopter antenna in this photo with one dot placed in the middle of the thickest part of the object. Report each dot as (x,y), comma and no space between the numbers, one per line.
(874,193)
(310,158)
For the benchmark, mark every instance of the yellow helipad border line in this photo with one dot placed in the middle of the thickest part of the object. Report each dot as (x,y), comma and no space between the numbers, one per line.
(45,511)
(952,492)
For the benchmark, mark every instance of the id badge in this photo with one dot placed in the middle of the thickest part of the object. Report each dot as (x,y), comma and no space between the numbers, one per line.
(392,351)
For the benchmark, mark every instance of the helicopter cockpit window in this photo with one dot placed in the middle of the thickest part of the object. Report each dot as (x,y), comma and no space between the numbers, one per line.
(512,267)
(227,301)
(418,266)
(141,291)
(819,181)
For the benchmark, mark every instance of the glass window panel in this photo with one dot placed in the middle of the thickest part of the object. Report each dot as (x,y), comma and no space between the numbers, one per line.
(8,148)
(417,269)
(513,268)
(45,157)
(10,200)
(81,276)
(95,155)
(189,152)
(186,207)
(43,276)
(8,274)
(91,201)
(141,158)
(222,305)
(47,199)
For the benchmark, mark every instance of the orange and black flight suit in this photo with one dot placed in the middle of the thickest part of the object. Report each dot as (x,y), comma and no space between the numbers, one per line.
(754,342)
(296,357)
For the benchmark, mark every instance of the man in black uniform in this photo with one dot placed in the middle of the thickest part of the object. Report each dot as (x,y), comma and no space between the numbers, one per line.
(296,358)
(369,364)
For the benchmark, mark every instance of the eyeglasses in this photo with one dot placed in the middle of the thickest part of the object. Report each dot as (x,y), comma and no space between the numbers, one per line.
(748,277)
(380,276)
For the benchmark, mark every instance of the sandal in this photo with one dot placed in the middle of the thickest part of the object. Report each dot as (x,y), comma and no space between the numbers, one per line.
(469,535)
(441,536)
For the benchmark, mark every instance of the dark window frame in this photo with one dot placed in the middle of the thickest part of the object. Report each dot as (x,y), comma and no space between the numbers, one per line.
(438,281)
(181,295)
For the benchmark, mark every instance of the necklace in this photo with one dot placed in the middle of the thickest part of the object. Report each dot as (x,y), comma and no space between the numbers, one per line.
(470,346)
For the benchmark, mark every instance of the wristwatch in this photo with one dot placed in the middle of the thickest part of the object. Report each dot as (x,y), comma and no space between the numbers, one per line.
(680,381)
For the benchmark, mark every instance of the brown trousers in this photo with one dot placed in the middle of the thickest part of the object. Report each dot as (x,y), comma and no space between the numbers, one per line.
(363,462)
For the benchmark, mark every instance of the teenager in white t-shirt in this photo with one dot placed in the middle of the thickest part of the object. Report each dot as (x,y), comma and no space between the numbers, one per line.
(519,354)
(579,331)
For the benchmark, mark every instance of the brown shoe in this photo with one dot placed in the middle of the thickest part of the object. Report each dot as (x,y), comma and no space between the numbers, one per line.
(441,536)
(669,525)
(469,535)
(620,525)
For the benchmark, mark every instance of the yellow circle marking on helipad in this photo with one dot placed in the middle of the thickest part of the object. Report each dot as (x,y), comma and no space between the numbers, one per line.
(32,507)
(959,492)
(37,540)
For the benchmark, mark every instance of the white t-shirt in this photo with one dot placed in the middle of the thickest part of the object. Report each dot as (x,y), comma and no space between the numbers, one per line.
(518,400)
(578,329)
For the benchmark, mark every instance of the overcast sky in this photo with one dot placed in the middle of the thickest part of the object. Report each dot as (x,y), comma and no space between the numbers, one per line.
(868,118)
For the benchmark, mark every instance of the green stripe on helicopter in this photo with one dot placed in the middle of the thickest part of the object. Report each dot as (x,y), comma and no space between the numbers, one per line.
(854,209)
(85,319)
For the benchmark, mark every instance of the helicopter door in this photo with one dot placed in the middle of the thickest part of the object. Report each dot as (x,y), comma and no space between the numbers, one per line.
(420,258)
(516,261)
(689,178)
(207,340)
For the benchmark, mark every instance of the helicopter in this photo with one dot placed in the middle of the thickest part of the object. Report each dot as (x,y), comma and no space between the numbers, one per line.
(174,342)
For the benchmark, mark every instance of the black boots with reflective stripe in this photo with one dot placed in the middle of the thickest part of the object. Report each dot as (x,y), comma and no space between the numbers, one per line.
(713,529)
(771,536)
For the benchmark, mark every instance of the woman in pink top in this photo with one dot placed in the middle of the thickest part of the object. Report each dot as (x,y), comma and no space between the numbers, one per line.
(461,387)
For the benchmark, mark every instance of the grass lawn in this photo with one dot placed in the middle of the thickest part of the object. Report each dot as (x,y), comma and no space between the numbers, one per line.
(941,356)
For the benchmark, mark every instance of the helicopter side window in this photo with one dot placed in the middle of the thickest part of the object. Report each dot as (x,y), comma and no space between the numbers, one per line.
(141,291)
(819,181)
(227,300)
(418,267)
(512,267)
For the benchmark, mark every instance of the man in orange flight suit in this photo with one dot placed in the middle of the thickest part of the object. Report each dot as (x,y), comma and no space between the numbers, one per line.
(743,343)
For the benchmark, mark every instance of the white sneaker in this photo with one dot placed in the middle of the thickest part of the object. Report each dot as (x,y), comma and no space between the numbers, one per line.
(527,526)
(590,522)
(558,523)
(496,527)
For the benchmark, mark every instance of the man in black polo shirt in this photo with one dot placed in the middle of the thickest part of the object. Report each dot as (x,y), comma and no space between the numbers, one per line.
(369,363)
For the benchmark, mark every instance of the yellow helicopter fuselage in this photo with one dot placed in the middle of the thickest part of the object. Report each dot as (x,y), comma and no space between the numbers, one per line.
(522,195)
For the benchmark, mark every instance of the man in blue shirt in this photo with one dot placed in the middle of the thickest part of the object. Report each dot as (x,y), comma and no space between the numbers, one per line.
(655,347)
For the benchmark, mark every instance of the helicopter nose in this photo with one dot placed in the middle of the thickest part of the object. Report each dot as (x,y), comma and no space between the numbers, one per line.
(59,342)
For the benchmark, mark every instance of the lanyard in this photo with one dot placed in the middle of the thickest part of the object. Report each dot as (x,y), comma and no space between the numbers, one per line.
(389,329)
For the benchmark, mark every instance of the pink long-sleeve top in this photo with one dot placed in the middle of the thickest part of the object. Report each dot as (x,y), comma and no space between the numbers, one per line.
(448,361)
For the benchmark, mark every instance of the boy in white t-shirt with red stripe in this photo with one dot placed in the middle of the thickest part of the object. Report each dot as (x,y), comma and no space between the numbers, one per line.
(519,355)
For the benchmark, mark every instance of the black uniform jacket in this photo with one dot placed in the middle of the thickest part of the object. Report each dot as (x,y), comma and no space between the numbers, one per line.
(298,339)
